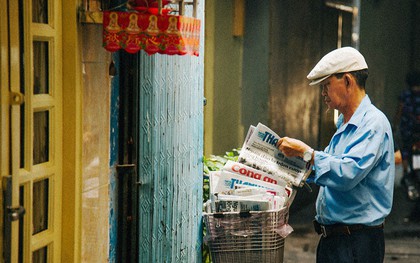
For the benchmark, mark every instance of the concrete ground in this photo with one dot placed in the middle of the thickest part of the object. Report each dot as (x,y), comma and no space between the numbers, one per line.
(402,239)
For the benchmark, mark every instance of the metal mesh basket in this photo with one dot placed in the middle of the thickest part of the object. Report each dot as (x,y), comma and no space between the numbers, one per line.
(246,237)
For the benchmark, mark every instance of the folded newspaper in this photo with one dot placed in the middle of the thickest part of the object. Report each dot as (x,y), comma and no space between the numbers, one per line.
(234,192)
(260,152)
(262,179)
(244,170)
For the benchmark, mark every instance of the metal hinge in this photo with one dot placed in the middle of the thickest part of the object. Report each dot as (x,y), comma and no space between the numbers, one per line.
(124,169)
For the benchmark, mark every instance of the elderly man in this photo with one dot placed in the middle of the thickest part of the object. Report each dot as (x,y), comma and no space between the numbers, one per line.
(355,172)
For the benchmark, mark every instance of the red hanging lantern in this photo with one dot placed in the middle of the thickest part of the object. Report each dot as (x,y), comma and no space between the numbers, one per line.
(154,33)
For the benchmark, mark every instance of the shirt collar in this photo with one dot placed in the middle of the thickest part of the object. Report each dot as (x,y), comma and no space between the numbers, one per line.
(357,116)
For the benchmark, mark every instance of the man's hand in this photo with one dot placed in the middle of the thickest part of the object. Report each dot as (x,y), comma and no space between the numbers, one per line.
(292,147)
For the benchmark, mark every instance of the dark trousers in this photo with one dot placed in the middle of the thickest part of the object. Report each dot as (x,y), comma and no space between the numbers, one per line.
(364,246)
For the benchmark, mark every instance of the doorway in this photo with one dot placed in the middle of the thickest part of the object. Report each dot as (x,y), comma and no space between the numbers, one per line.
(340,28)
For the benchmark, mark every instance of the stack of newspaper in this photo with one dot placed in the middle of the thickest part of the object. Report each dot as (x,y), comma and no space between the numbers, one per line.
(261,180)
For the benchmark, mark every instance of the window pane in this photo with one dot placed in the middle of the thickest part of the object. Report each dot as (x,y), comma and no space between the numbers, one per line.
(40,206)
(40,11)
(41,67)
(40,255)
(41,137)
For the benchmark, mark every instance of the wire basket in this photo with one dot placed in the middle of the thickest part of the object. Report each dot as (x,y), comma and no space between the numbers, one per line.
(246,237)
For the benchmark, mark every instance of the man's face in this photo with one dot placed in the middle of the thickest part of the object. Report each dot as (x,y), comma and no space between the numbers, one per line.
(334,91)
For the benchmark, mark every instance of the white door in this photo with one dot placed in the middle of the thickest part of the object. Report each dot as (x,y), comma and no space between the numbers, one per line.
(31,133)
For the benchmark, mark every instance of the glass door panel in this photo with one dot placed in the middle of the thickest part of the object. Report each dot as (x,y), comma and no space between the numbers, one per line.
(41,137)
(40,206)
(40,255)
(40,11)
(41,67)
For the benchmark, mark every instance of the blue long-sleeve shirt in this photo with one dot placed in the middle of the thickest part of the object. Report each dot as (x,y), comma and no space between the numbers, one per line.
(356,170)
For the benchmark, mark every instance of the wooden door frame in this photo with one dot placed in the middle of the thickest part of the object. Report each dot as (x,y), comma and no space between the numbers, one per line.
(9,110)
(72,137)
(4,125)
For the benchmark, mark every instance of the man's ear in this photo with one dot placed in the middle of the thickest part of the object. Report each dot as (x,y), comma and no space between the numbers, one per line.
(348,79)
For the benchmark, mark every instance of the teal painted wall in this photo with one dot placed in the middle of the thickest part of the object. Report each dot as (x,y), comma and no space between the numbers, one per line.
(113,160)
(170,164)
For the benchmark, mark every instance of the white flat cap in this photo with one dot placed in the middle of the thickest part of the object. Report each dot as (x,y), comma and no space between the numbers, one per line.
(345,59)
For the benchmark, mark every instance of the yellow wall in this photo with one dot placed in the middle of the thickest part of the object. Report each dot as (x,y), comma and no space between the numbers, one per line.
(223,129)
(95,147)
